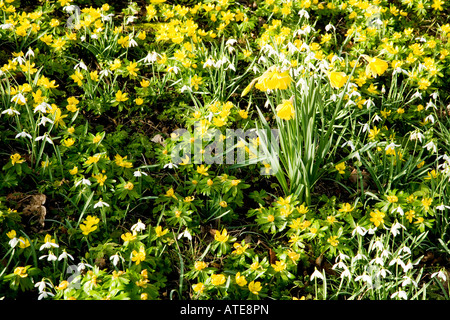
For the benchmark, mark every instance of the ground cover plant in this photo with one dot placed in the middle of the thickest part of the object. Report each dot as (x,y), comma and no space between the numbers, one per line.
(224,149)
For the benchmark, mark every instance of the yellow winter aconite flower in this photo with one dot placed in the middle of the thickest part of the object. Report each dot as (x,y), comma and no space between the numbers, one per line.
(333,241)
(160,232)
(346,207)
(21,272)
(73,171)
(254,287)
(121,97)
(240,280)
(218,279)
(340,167)
(122,162)
(68,142)
(200,265)
(286,110)
(129,186)
(377,217)
(376,67)
(221,237)
(202,170)
(128,237)
(337,79)
(16,158)
(87,228)
(239,249)
(279,266)
(198,287)
(392,199)
(138,257)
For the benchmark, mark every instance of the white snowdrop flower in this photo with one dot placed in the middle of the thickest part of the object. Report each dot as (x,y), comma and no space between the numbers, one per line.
(395,228)
(115,259)
(329,26)
(366,278)
(316,274)
(30,52)
(107,17)
(48,245)
(401,294)
(130,19)
(42,107)
(170,165)
(6,26)
(23,134)
(350,103)
(431,146)
(262,60)
(50,257)
(397,261)
(376,245)
(435,95)
(342,257)
(19,59)
(359,256)
(399,210)
(350,144)
(185,234)
(303,13)
(377,260)
(186,88)
(45,294)
(94,36)
(346,273)
(407,267)
(442,207)
(13,242)
(366,127)
(231,66)
(429,118)
(333,97)
(430,104)
(42,122)
(209,63)
(138,226)
(368,103)
(45,136)
(372,230)
(360,230)
(376,118)
(292,48)
(132,43)
(64,255)
(417,95)
(383,273)
(340,265)
(80,65)
(83,181)
(139,173)
(19,98)
(407,280)
(385,253)
(41,285)
(100,204)
(151,57)
(392,146)
(81,266)
(70,8)
(416,135)
(440,274)
(230,42)
(105,72)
